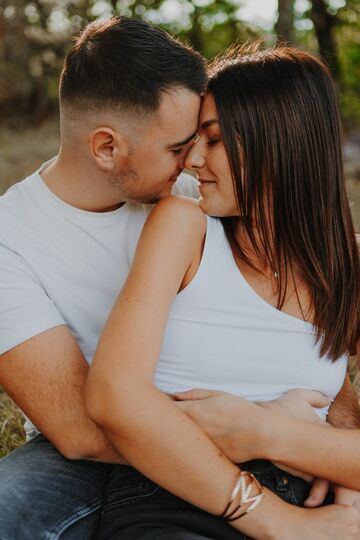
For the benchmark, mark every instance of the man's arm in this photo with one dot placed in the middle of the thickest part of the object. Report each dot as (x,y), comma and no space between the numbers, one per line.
(45,376)
(345,411)
(244,430)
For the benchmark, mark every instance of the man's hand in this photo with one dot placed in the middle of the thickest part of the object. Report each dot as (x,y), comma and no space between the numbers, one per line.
(231,422)
(235,424)
(299,404)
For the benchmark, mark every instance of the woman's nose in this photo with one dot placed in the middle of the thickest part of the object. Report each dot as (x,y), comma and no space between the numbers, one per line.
(195,157)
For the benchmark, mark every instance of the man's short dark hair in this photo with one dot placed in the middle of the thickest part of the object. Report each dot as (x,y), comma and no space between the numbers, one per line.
(127,62)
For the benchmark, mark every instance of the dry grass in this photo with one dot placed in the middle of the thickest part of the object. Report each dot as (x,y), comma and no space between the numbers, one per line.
(22,152)
(11,425)
(354,373)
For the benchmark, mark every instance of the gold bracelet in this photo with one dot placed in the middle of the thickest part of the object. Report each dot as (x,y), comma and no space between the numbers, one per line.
(244,488)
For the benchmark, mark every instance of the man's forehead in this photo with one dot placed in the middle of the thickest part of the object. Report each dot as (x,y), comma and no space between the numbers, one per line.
(178,102)
(178,116)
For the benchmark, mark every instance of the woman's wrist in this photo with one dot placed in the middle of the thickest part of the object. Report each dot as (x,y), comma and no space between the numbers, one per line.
(273,519)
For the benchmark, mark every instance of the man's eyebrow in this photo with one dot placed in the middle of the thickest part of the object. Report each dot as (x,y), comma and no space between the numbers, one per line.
(209,123)
(185,141)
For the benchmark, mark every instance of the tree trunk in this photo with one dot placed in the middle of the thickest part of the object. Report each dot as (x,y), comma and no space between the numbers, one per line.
(324,24)
(195,31)
(284,26)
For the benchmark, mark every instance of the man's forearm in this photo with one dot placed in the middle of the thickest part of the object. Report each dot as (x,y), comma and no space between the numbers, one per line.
(336,450)
(245,431)
(81,438)
(345,411)
(318,450)
(49,388)
(92,445)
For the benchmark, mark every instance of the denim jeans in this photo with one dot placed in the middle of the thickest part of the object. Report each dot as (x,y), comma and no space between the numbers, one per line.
(135,508)
(44,496)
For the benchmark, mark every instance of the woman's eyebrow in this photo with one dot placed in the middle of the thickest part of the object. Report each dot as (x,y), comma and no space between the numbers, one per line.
(209,123)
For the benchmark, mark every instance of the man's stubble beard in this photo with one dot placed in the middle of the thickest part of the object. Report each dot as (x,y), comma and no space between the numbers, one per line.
(125,182)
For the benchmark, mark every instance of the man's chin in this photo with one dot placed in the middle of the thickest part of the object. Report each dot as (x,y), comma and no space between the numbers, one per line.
(151,199)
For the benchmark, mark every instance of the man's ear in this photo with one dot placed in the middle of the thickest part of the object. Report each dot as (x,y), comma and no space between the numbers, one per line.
(108,148)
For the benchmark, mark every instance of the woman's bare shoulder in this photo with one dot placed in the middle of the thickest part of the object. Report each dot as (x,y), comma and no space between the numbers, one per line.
(177,211)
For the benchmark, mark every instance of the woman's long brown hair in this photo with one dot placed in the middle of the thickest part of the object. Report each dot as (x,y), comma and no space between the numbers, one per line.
(281,129)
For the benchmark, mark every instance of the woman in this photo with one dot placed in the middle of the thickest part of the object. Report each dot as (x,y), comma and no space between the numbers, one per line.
(227,303)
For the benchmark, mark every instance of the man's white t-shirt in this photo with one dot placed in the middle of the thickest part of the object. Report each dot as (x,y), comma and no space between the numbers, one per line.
(62,265)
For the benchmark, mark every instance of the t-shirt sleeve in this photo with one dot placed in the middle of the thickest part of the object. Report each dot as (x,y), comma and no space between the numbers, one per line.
(186,185)
(25,308)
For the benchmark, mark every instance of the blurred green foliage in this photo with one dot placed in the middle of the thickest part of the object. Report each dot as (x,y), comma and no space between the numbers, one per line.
(350,82)
(36,34)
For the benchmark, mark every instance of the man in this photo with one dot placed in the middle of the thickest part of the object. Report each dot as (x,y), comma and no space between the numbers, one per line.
(129,103)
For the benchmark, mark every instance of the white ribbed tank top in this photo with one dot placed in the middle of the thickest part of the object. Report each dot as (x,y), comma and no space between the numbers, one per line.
(222,335)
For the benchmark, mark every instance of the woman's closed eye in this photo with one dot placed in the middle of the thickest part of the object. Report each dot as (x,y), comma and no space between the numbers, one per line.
(212,142)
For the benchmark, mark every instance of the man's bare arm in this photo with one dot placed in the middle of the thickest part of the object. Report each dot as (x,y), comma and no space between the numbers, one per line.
(345,411)
(46,376)
(244,430)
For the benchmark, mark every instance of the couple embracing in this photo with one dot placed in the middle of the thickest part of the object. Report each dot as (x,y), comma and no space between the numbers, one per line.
(217,324)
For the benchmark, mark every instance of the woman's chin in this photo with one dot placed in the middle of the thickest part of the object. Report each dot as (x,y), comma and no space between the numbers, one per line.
(205,207)
(210,209)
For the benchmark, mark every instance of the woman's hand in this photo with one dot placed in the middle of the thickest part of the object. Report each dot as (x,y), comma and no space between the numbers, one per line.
(299,403)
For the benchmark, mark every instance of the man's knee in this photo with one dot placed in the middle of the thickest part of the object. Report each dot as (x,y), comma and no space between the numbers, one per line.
(43,495)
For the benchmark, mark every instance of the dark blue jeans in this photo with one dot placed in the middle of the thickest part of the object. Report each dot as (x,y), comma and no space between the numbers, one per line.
(44,496)
(137,509)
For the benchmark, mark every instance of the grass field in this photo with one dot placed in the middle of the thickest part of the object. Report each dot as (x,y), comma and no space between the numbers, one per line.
(11,425)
